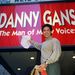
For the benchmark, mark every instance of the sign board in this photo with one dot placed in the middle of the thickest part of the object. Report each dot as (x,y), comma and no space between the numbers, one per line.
(27,19)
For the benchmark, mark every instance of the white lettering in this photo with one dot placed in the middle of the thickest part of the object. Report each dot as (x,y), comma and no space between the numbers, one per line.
(56,19)
(36,16)
(30,32)
(72,14)
(23,20)
(47,18)
(65,31)
(18,19)
(4,33)
(10,21)
(18,33)
(2,16)
(65,17)
(38,32)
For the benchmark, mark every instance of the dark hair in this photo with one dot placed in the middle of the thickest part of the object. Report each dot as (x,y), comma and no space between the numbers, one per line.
(47,25)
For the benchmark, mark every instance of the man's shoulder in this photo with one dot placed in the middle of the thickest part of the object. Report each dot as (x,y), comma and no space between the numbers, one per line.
(55,39)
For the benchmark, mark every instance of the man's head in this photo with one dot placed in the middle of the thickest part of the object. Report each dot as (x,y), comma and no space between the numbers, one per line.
(47,30)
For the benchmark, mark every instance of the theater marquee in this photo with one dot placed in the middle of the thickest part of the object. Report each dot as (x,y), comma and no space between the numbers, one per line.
(19,20)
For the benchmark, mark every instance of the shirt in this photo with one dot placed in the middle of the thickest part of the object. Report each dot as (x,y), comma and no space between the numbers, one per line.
(50,50)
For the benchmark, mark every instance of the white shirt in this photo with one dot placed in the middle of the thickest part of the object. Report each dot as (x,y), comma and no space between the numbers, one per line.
(50,50)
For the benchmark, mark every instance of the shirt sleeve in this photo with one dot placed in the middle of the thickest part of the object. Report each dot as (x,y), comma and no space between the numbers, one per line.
(36,45)
(56,52)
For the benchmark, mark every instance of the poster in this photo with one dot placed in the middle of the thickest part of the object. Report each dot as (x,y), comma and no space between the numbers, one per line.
(27,19)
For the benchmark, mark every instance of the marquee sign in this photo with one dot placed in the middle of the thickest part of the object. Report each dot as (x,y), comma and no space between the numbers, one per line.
(19,20)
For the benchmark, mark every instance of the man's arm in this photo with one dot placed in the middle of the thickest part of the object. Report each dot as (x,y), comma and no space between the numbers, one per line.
(56,52)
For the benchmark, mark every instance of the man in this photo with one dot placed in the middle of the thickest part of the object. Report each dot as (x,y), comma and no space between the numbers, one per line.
(50,51)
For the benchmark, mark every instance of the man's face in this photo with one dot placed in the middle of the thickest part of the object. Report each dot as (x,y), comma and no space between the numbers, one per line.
(46,32)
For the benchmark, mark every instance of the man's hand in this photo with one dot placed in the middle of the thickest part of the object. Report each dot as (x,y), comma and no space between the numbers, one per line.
(44,65)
